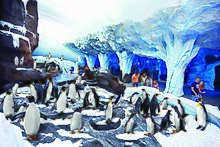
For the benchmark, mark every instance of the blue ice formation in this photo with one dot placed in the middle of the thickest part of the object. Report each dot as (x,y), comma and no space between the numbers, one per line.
(174,35)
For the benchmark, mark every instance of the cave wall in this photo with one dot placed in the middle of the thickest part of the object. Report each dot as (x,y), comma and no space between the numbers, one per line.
(18,30)
(203,66)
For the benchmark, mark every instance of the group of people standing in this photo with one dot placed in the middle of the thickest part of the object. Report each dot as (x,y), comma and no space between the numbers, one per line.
(197,89)
(144,80)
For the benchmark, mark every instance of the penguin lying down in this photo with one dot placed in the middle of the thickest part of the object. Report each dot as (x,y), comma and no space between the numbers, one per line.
(31,120)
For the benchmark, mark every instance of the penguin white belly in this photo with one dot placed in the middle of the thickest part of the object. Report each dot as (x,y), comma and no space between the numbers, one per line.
(134,99)
(180,109)
(32,120)
(150,126)
(201,117)
(49,91)
(143,96)
(21,109)
(177,121)
(164,104)
(108,114)
(34,93)
(16,60)
(8,106)
(14,89)
(72,92)
(130,126)
(92,99)
(61,102)
(76,121)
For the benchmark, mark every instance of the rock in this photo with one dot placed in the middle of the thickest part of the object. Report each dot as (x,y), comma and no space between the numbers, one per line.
(127,78)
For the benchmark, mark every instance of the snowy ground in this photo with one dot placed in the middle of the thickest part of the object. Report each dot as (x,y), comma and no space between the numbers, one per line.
(56,131)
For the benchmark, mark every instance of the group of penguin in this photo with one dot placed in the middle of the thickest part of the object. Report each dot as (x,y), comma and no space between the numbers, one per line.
(31,113)
(174,117)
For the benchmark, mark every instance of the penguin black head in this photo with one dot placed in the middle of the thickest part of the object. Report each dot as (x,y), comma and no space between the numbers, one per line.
(112,97)
(179,101)
(9,91)
(24,105)
(166,98)
(31,99)
(63,88)
(156,94)
(143,89)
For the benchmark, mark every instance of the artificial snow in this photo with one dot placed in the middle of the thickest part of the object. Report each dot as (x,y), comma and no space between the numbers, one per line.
(58,142)
(131,137)
(93,112)
(76,135)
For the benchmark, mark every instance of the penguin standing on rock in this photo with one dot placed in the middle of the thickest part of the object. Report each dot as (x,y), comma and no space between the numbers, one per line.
(62,101)
(151,126)
(76,121)
(109,111)
(165,123)
(180,108)
(154,105)
(90,97)
(129,126)
(35,64)
(34,92)
(8,105)
(16,60)
(72,92)
(31,119)
(48,90)
(164,103)
(145,106)
(178,120)
(201,116)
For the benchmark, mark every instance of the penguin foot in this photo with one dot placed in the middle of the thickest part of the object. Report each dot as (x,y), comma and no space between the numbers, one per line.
(132,133)
(34,137)
(72,132)
(148,134)
(93,108)
(199,127)
(174,131)
(80,131)
(203,128)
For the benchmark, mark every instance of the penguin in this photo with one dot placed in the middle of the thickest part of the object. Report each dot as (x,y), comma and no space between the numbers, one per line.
(48,89)
(201,116)
(154,105)
(22,61)
(16,60)
(61,58)
(35,64)
(145,106)
(8,105)
(109,111)
(40,91)
(165,123)
(180,108)
(34,92)
(137,105)
(15,88)
(151,126)
(94,99)
(117,101)
(129,126)
(49,56)
(76,121)
(144,94)
(164,103)
(62,101)
(134,97)
(22,109)
(31,120)
(72,92)
(86,100)
(178,121)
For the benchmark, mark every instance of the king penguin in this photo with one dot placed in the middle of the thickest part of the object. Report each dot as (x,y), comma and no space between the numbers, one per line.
(129,126)
(201,116)
(151,126)
(34,92)
(62,101)
(109,111)
(8,105)
(178,120)
(164,103)
(76,121)
(180,108)
(154,105)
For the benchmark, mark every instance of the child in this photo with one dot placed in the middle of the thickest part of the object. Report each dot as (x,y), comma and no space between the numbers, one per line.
(149,81)
(201,89)
(143,79)
(155,84)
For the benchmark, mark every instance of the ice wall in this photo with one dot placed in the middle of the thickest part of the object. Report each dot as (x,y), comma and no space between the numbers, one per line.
(90,61)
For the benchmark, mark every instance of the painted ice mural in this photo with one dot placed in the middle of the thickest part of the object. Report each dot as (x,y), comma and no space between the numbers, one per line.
(174,35)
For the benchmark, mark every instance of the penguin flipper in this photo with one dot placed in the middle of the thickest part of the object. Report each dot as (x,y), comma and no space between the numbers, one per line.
(43,116)
(19,115)
(16,108)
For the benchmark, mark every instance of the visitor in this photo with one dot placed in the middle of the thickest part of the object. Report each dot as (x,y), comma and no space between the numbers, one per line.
(195,89)
(134,79)
(201,89)
(155,84)
(143,79)
(149,81)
